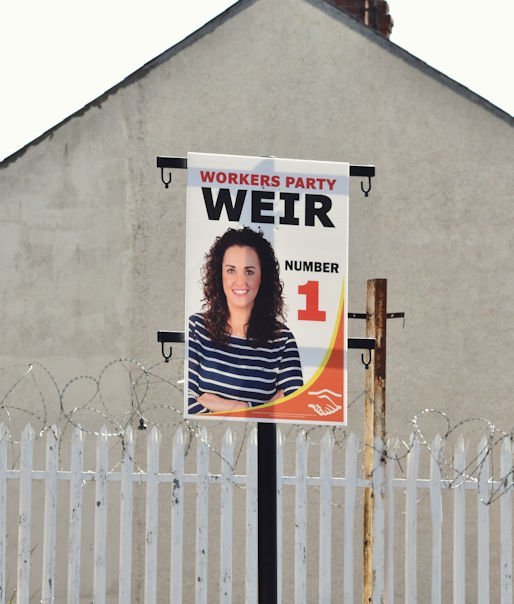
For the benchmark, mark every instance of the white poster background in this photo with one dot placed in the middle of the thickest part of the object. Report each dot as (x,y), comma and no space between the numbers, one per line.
(295,245)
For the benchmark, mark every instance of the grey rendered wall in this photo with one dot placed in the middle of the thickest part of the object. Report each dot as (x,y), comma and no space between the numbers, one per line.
(92,243)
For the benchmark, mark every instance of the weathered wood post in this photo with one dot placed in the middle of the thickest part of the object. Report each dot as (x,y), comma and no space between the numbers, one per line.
(374,413)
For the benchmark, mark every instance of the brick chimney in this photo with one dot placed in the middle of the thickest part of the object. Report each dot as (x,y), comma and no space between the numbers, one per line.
(374,13)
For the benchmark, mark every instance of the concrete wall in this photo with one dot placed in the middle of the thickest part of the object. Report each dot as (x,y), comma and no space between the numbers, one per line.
(92,243)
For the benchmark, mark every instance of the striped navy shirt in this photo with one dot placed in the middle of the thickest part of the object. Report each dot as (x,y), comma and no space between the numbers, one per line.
(239,371)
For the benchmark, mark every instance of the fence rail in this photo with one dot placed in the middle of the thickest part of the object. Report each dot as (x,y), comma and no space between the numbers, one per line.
(385,529)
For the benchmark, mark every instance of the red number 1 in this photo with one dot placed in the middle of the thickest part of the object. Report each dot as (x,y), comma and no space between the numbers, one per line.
(312,312)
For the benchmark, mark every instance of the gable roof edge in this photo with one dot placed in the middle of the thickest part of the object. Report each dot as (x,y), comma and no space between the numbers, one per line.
(136,75)
(329,7)
(335,10)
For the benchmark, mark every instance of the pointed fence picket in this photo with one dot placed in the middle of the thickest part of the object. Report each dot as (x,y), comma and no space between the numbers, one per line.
(436,506)
(251,583)
(411,517)
(126,501)
(202,517)
(483,494)
(325,516)
(25,515)
(378,482)
(227,459)
(75,519)
(47,583)
(459,524)
(300,574)
(389,524)
(177,517)
(152,515)
(100,551)
(506,513)
(352,450)
(383,482)
(3,509)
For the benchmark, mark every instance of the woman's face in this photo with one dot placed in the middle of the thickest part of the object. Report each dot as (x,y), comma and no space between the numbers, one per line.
(241,275)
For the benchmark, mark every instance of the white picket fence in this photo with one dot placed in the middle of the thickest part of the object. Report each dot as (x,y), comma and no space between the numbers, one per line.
(385,527)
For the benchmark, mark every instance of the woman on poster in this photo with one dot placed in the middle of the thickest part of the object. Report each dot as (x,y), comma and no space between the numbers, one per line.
(241,354)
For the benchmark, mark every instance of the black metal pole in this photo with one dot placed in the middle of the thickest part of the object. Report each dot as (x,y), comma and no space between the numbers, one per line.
(267,511)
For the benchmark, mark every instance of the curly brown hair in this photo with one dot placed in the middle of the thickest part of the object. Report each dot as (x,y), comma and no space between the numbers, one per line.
(266,319)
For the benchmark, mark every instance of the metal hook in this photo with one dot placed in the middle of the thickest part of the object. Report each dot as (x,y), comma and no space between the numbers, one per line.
(366,191)
(141,424)
(368,363)
(167,183)
(166,357)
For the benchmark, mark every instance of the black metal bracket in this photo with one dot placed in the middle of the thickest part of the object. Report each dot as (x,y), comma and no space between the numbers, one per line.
(363,315)
(181,163)
(389,315)
(368,344)
(166,337)
(170,162)
(362,343)
(169,337)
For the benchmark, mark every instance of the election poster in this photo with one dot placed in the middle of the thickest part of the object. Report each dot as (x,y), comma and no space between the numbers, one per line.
(266,289)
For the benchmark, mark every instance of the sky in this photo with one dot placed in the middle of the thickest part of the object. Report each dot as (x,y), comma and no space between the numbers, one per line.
(58,55)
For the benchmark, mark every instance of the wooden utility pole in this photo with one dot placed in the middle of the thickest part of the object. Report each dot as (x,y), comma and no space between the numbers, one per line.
(374,413)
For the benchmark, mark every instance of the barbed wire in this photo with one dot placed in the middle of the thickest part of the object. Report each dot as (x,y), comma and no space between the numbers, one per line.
(145,398)
(483,461)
